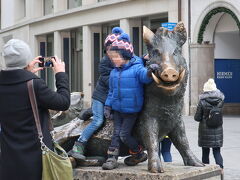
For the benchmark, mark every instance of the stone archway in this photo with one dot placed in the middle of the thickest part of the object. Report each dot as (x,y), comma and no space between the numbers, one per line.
(203,49)
(216,11)
(208,9)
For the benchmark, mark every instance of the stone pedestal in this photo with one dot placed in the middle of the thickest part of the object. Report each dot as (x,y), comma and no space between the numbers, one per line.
(172,172)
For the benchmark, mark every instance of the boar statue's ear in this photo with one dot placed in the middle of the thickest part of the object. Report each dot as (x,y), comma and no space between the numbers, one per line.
(148,35)
(180,33)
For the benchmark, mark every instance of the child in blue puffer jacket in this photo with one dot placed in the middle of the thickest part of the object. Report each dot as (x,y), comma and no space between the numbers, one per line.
(125,98)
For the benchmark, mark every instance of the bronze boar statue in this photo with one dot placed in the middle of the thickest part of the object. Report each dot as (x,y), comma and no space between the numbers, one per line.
(162,111)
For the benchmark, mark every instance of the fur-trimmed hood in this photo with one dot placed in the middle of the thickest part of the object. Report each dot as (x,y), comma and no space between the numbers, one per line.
(212,97)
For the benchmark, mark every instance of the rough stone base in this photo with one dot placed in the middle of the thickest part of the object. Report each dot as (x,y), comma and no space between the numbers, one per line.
(139,172)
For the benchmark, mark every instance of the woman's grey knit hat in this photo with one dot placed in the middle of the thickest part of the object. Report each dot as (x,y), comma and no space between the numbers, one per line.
(17,54)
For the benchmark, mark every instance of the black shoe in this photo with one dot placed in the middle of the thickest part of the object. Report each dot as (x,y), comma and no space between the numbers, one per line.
(77,151)
(135,159)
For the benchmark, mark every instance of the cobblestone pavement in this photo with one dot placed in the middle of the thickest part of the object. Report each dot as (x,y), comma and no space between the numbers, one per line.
(230,150)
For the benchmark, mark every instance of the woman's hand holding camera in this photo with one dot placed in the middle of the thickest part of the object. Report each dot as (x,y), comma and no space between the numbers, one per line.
(31,66)
(58,65)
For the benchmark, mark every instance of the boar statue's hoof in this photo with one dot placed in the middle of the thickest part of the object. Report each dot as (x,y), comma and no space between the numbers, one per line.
(155,167)
(193,161)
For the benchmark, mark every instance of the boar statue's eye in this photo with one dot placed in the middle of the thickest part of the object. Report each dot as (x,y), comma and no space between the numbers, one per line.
(156,52)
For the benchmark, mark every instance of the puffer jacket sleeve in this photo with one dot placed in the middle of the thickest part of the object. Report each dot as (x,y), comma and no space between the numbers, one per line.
(49,99)
(142,74)
(199,113)
(105,79)
(110,92)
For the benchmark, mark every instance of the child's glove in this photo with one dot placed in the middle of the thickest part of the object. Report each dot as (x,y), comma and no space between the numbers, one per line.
(111,116)
(152,68)
(107,112)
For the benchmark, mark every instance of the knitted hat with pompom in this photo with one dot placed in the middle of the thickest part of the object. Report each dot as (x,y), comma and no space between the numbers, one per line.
(123,46)
(209,86)
(116,32)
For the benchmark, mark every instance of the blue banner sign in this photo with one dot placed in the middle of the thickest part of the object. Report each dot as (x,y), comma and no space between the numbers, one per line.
(227,77)
(170,26)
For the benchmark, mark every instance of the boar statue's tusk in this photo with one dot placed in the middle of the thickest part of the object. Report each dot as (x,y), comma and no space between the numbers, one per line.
(155,78)
(182,75)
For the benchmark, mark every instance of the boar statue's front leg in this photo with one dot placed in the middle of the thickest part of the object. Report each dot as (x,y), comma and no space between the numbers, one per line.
(151,142)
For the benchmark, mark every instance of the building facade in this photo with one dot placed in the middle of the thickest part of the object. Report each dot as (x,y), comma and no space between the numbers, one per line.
(75,31)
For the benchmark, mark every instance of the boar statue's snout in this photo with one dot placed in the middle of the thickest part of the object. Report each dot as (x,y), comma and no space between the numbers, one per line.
(169,75)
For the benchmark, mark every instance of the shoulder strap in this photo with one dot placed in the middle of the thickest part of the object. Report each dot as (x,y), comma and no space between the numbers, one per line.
(33,101)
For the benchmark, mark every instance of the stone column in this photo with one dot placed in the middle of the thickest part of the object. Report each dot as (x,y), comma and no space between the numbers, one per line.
(202,68)
(173,11)
(88,2)
(57,47)
(57,44)
(87,65)
(185,53)
(59,5)
(35,9)
(125,25)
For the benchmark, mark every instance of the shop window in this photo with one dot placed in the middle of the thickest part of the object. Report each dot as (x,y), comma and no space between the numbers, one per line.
(135,40)
(76,60)
(46,49)
(74,3)
(48,7)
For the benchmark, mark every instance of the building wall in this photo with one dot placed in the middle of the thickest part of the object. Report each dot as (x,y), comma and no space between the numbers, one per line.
(89,16)
(219,33)
(227,46)
(93,14)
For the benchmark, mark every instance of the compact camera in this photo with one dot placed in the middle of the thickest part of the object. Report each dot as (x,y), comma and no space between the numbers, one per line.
(46,62)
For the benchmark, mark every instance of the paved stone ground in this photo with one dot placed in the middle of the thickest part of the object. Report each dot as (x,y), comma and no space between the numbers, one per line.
(230,150)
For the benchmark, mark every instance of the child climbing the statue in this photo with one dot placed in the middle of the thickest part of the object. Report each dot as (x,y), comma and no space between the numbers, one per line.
(125,98)
(99,97)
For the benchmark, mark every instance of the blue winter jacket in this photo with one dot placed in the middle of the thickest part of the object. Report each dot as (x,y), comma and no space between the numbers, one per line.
(126,87)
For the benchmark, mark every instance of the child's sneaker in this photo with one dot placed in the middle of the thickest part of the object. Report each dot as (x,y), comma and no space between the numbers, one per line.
(136,158)
(77,151)
(110,164)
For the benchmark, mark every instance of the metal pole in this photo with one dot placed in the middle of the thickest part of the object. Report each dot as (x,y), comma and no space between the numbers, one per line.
(189,52)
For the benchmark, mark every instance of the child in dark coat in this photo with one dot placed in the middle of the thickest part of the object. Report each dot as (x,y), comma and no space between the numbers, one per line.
(99,97)
(125,97)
